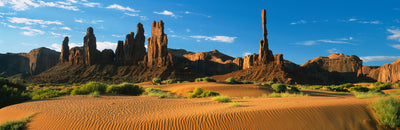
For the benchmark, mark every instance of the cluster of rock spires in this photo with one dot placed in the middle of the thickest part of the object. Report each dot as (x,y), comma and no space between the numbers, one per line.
(130,52)
(131,62)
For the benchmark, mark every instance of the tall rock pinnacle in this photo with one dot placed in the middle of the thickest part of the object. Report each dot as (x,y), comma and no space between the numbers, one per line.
(64,51)
(265,55)
(89,47)
(157,53)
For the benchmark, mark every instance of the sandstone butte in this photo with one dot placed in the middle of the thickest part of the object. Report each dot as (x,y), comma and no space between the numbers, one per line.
(132,62)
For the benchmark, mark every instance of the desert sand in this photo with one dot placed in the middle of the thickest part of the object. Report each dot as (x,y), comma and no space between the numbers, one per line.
(324,110)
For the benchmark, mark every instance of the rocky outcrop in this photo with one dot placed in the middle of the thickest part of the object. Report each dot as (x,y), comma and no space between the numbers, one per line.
(239,63)
(336,63)
(76,56)
(107,56)
(157,53)
(13,64)
(89,47)
(41,59)
(64,57)
(132,51)
(279,59)
(386,73)
(265,55)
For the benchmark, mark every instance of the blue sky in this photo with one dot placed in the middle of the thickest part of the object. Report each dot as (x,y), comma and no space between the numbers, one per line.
(301,30)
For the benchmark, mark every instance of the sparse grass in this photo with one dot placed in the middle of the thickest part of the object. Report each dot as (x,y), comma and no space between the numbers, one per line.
(370,94)
(245,97)
(159,93)
(94,94)
(279,88)
(269,83)
(169,81)
(381,86)
(125,88)
(156,81)
(199,93)
(9,96)
(235,104)
(286,94)
(221,99)
(395,93)
(274,95)
(89,87)
(16,124)
(387,112)
(45,93)
(358,88)
(206,79)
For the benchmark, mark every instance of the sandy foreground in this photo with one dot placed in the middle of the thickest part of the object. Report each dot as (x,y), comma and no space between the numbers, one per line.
(326,111)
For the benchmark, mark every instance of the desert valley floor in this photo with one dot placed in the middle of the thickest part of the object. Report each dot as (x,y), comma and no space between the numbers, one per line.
(321,110)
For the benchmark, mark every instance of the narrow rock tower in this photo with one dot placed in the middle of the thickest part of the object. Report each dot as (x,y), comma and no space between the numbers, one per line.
(89,47)
(64,51)
(157,53)
(265,55)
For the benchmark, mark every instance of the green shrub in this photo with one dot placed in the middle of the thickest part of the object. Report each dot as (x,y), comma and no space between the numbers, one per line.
(346,85)
(269,83)
(381,86)
(221,99)
(339,88)
(199,93)
(294,89)
(66,91)
(9,96)
(231,80)
(45,93)
(246,82)
(169,81)
(16,124)
(94,94)
(206,79)
(279,88)
(156,81)
(185,82)
(125,88)
(274,95)
(13,83)
(235,104)
(89,88)
(387,112)
(369,94)
(358,88)
(159,93)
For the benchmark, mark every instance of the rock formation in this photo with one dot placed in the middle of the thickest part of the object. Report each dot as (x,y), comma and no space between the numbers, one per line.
(132,51)
(239,62)
(157,53)
(336,63)
(265,55)
(76,56)
(107,56)
(279,59)
(89,47)
(64,57)
(386,73)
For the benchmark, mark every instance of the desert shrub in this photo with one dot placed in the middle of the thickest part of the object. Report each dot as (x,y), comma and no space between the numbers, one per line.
(339,88)
(358,88)
(235,104)
(396,85)
(221,99)
(156,81)
(287,94)
(246,82)
(125,88)
(169,81)
(45,93)
(311,87)
(381,86)
(93,86)
(159,93)
(279,88)
(199,93)
(294,89)
(231,80)
(346,85)
(206,79)
(387,112)
(369,94)
(185,82)
(16,124)
(66,91)
(13,83)
(9,96)
(269,83)
(273,95)
(94,94)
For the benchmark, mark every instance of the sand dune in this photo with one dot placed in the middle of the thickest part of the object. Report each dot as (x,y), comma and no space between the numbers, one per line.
(143,112)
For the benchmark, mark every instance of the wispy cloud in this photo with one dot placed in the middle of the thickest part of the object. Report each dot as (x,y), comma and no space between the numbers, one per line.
(131,14)
(299,22)
(55,34)
(225,39)
(395,34)
(166,12)
(78,20)
(144,18)
(31,32)
(119,7)
(58,5)
(106,45)
(66,28)
(114,35)
(91,4)
(96,21)
(31,21)
(362,21)
(314,42)
(246,53)
(333,50)
(379,58)
(397,46)
(199,14)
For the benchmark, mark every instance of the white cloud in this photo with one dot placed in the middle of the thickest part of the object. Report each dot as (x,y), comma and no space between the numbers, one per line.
(119,7)
(91,4)
(146,46)
(117,35)
(332,41)
(31,32)
(187,12)
(11,26)
(352,19)
(106,45)
(66,28)
(131,14)
(188,30)
(72,1)
(379,58)
(79,20)
(395,34)
(225,39)
(397,46)
(96,21)
(166,12)
(307,43)
(31,21)
(144,18)
(1,3)
(55,34)
(361,21)
(346,39)
(333,50)
(21,5)
(246,53)
(299,22)
(58,5)
(57,46)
